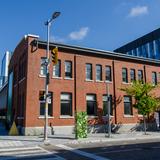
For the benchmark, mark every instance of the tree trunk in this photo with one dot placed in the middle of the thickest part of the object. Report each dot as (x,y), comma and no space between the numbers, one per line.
(144,121)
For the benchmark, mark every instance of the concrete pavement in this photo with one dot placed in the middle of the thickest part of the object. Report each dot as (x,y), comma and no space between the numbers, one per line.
(11,141)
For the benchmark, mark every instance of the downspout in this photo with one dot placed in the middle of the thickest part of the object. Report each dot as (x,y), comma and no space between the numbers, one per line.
(114,91)
(75,88)
(144,68)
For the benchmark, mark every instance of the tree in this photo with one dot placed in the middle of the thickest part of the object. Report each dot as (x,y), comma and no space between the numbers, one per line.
(145,101)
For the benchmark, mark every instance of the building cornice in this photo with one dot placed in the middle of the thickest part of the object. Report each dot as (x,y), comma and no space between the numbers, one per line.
(96,52)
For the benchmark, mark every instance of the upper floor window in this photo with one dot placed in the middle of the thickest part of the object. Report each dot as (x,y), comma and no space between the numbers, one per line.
(98,72)
(151,50)
(57,69)
(154,78)
(43,67)
(127,105)
(108,73)
(107,99)
(66,104)
(140,75)
(132,75)
(91,104)
(68,69)
(135,52)
(124,75)
(89,71)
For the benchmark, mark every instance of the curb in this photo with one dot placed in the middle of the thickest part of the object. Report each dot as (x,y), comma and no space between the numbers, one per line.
(85,141)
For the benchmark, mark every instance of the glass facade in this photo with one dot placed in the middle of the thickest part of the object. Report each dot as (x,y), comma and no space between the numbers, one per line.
(10,92)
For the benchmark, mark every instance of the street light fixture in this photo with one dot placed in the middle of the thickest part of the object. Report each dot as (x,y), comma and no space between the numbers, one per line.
(48,24)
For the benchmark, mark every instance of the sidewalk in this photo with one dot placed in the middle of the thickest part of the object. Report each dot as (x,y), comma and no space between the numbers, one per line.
(26,141)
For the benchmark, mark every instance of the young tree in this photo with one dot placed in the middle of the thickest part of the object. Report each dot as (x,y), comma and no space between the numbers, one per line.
(145,101)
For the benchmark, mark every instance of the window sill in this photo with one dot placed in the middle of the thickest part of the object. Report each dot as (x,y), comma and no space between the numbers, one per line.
(126,83)
(89,80)
(107,116)
(90,117)
(57,77)
(42,76)
(68,78)
(99,81)
(108,81)
(42,117)
(128,116)
(66,117)
(139,115)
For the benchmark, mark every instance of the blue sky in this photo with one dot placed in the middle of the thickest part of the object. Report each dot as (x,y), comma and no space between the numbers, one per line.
(101,24)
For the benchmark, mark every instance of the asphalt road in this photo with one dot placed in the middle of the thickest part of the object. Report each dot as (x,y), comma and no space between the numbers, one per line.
(126,150)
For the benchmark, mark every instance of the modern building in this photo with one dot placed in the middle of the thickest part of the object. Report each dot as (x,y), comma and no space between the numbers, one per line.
(77,83)
(4,83)
(147,46)
(4,68)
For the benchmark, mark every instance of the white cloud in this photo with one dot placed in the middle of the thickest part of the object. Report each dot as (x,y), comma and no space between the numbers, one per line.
(137,11)
(57,39)
(79,35)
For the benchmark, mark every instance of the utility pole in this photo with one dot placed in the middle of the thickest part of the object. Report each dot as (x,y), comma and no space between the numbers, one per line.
(47,62)
(108,109)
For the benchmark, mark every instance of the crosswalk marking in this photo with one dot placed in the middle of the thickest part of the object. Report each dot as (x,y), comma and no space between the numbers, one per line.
(21,153)
(86,154)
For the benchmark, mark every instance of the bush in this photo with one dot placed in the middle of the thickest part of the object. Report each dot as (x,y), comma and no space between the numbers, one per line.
(81,125)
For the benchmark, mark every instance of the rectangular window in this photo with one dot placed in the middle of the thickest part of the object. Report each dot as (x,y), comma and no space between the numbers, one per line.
(151,50)
(127,105)
(108,73)
(140,51)
(135,52)
(42,105)
(154,78)
(43,67)
(140,75)
(124,75)
(105,105)
(132,75)
(157,48)
(68,69)
(91,104)
(88,71)
(57,69)
(98,72)
(66,104)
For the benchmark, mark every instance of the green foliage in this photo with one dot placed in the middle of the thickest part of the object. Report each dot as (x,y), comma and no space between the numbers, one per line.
(81,125)
(145,102)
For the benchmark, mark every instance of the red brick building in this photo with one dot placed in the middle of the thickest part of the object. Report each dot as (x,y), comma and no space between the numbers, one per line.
(77,83)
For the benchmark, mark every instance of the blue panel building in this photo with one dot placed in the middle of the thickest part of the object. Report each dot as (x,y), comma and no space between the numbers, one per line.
(147,46)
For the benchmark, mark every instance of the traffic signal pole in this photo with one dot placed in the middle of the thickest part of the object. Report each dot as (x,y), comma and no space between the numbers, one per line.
(47,62)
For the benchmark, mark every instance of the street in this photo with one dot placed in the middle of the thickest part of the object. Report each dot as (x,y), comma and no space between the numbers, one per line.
(145,149)
(126,150)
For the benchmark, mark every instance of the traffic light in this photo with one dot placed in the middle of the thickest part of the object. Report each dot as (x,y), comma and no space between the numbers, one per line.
(41,95)
(54,56)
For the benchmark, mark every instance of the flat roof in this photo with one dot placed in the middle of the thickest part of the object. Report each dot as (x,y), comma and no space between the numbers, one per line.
(94,52)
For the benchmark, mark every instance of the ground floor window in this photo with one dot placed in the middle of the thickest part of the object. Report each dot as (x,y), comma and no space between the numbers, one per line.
(105,105)
(127,105)
(91,104)
(66,104)
(42,104)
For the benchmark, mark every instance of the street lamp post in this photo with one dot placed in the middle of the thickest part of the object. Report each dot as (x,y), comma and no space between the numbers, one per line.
(108,108)
(47,62)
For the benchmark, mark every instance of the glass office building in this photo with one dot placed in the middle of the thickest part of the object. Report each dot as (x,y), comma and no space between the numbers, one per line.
(4,68)
(147,46)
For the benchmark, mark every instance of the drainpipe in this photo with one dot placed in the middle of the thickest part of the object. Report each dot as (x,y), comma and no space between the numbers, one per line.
(114,91)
